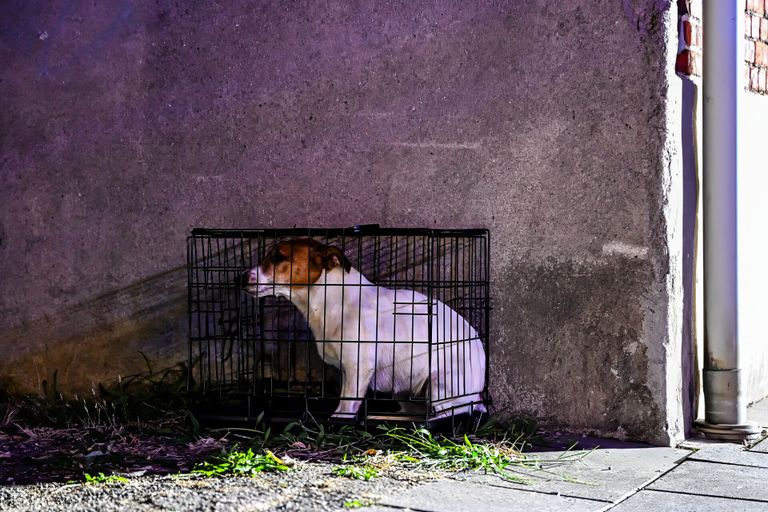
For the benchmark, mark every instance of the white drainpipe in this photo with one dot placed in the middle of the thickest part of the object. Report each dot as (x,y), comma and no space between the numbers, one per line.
(723,52)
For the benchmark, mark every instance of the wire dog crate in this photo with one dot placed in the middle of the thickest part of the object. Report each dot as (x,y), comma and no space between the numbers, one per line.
(353,325)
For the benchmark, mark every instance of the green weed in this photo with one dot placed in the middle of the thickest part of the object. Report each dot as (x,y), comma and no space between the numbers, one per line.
(101,478)
(356,470)
(149,395)
(437,452)
(357,503)
(258,437)
(317,436)
(239,463)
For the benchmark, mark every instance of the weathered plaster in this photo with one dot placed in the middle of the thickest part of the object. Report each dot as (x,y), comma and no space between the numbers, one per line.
(126,124)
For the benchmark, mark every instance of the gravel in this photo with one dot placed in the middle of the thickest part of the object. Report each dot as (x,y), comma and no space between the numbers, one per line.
(307,487)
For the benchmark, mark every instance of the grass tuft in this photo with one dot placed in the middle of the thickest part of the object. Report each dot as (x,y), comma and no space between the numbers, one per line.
(497,450)
(356,469)
(101,478)
(423,449)
(152,395)
(239,463)
(357,503)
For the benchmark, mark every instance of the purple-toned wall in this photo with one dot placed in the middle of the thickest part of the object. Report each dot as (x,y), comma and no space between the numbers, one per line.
(125,124)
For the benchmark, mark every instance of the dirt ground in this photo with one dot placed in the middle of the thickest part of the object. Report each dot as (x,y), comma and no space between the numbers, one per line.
(43,454)
(44,469)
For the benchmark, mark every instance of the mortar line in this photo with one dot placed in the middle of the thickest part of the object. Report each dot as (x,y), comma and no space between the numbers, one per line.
(536,491)
(755,500)
(729,463)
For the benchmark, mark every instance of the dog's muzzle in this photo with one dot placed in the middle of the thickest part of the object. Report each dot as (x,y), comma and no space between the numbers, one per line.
(249,283)
(243,280)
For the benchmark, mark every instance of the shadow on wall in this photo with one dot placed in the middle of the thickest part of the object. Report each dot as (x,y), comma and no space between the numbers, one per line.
(690,380)
(100,339)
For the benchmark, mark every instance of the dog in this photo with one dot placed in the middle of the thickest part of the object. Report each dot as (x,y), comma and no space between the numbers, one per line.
(378,337)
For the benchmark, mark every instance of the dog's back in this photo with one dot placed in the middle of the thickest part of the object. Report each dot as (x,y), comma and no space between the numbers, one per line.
(398,339)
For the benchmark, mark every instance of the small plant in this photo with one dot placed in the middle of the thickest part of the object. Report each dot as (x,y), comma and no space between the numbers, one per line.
(424,449)
(365,472)
(259,437)
(317,436)
(239,463)
(357,468)
(357,503)
(149,395)
(101,478)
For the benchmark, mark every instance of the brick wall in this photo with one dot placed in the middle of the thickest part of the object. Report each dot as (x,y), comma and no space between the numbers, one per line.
(756,51)
(755,45)
(690,37)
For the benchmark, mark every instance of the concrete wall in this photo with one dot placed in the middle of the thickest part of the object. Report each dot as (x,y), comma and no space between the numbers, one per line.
(125,124)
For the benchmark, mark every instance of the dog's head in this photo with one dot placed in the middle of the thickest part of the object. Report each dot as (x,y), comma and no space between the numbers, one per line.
(292,265)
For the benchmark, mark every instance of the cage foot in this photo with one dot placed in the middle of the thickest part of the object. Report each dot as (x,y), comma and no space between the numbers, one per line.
(344,419)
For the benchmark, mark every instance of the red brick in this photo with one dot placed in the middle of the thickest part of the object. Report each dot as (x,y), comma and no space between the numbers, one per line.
(764,29)
(747,25)
(765,76)
(683,62)
(688,63)
(755,26)
(749,51)
(753,78)
(696,36)
(761,53)
(759,7)
(761,80)
(694,7)
(686,29)
(695,64)
(766,81)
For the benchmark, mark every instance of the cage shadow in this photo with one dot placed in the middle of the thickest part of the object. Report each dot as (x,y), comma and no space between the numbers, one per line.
(99,339)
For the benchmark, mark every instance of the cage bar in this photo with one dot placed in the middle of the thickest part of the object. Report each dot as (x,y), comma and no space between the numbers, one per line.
(416,303)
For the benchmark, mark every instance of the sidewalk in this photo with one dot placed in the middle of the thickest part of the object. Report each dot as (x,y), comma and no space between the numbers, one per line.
(602,475)
(620,477)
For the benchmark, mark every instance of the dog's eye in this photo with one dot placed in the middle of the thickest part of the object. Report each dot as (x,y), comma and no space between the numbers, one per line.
(277,257)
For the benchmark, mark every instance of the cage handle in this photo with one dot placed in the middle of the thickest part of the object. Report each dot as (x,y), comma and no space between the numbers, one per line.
(358,229)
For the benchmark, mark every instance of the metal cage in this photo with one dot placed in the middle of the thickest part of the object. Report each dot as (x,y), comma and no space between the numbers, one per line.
(255,357)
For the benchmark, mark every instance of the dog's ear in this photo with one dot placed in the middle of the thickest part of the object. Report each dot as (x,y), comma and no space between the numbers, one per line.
(334,257)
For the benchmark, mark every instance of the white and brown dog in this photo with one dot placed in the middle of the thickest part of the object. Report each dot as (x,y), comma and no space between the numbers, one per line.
(378,337)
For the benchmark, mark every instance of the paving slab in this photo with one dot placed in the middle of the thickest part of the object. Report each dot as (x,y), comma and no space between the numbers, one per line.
(606,475)
(728,453)
(454,496)
(646,501)
(713,479)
